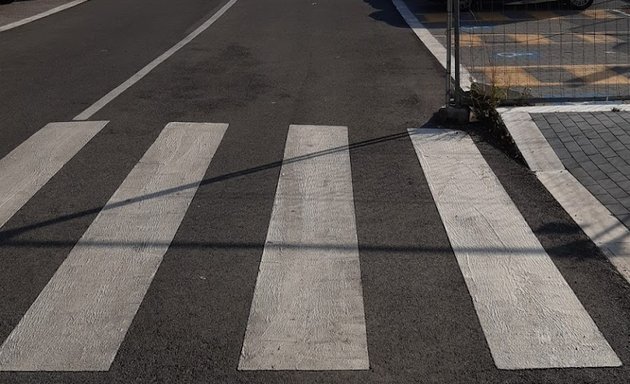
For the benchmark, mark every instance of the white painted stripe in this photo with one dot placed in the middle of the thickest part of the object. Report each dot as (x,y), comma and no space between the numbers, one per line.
(307,312)
(79,320)
(601,226)
(433,45)
(29,166)
(90,111)
(27,20)
(530,316)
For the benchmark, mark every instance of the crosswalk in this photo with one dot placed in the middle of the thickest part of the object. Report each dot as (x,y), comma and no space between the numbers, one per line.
(307,311)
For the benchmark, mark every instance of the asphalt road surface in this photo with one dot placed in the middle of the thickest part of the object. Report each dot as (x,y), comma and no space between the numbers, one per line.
(255,209)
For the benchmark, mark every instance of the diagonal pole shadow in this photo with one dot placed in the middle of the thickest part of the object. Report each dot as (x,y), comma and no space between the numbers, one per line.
(8,234)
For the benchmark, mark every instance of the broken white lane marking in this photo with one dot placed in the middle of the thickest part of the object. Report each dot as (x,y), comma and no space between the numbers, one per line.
(307,312)
(530,316)
(90,111)
(79,320)
(29,166)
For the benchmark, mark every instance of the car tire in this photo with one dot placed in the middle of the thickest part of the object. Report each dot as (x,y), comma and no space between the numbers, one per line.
(579,4)
(5,1)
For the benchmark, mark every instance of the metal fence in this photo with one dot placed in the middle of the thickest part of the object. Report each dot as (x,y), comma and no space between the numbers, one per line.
(546,50)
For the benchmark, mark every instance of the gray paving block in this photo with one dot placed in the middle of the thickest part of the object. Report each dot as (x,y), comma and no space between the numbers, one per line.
(617,209)
(598,175)
(617,145)
(580,157)
(608,185)
(597,190)
(617,193)
(589,166)
(589,149)
(608,153)
(573,147)
(599,159)
(607,168)
(618,177)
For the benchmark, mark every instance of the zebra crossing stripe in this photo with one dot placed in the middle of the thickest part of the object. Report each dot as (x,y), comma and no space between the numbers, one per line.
(307,312)
(34,162)
(530,316)
(79,320)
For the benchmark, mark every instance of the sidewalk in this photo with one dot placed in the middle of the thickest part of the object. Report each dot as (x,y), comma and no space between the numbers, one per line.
(582,156)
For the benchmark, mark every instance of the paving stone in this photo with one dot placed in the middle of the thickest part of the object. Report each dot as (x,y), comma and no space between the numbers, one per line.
(607,168)
(617,177)
(608,200)
(598,159)
(598,175)
(617,145)
(599,143)
(617,193)
(608,153)
(617,209)
(608,185)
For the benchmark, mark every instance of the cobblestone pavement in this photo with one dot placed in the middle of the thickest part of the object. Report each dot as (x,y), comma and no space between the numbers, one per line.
(595,148)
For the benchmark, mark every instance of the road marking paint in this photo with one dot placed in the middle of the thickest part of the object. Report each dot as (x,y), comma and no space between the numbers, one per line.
(34,162)
(515,76)
(90,111)
(307,312)
(599,14)
(544,15)
(492,16)
(433,45)
(598,38)
(530,316)
(530,39)
(471,40)
(435,18)
(79,320)
(597,75)
(593,217)
(27,20)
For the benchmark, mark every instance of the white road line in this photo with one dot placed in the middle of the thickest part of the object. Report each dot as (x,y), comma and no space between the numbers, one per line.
(307,312)
(79,320)
(40,15)
(601,226)
(530,316)
(90,111)
(433,45)
(29,166)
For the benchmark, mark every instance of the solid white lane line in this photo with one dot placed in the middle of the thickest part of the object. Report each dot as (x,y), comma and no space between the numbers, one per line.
(79,320)
(307,312)
(27,20)
(433,45)
(90,111)
(29,166)
(530,316)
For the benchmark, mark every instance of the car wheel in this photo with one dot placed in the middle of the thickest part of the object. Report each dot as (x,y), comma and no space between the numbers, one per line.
(579,4)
